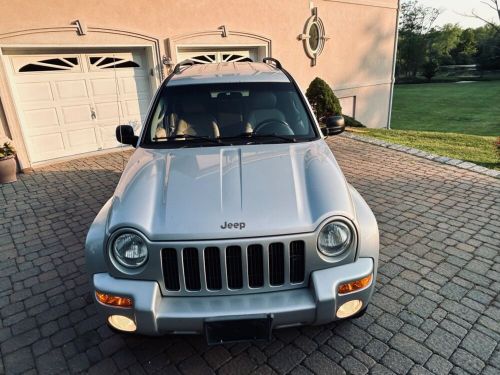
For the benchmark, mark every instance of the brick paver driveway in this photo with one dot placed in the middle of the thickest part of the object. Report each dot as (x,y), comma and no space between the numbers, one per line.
(436,307)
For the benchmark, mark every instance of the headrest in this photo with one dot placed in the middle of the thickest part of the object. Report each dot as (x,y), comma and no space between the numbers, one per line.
(263,100)
(193,104)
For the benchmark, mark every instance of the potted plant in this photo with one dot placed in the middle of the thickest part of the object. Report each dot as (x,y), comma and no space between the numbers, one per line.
(7,163)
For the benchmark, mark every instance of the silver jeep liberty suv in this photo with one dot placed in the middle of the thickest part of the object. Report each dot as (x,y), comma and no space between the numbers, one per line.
(232,217)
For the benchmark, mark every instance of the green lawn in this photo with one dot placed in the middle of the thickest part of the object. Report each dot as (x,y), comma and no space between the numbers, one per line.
(474,148)
(466,108)
(457,120)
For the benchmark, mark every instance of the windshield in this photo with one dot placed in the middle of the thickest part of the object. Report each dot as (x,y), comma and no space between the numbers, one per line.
(229,113)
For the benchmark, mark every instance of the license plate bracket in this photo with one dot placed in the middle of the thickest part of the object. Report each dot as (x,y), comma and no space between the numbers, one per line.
(237,329)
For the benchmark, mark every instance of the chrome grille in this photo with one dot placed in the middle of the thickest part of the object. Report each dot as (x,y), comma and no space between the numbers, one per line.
(233,268)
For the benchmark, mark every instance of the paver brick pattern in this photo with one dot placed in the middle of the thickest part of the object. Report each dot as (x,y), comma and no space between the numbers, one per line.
(436,308)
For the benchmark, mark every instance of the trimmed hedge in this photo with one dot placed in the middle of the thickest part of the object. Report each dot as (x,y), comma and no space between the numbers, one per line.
(322,99)
(349,121)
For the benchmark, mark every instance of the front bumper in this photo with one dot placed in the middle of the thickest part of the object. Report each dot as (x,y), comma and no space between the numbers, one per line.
(155,314)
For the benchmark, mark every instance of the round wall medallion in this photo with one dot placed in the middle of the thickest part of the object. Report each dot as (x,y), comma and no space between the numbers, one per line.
(314,36)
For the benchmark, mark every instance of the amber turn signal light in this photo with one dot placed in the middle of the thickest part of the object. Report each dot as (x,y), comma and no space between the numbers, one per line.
(355,285)
(109,299)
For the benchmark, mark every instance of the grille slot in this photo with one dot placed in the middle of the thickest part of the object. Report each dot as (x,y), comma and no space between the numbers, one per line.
(191,268)
(234,268)
(255,266)
(297,261)
(170,269)
(212,268)
(276,263)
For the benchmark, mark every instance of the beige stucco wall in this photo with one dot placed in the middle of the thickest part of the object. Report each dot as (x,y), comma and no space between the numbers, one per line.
(356,61)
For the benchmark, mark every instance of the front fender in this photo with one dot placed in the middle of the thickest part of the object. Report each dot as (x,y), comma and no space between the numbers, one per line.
(95,244)
(368,229)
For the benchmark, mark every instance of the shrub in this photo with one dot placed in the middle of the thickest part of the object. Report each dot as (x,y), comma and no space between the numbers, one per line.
(430,69)
(322,99)
(349,121)
(7,151)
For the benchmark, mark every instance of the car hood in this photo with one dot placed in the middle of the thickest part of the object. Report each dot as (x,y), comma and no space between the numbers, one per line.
(195,193)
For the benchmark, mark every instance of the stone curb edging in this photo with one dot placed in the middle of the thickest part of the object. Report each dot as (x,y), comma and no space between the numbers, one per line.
(426,155)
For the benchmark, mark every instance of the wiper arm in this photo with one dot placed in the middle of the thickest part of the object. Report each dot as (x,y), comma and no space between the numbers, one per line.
(189,136)
(252,135)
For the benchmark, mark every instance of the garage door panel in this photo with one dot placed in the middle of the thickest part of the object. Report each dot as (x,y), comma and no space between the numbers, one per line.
(37,119)
(103,87)
(134,85)
(76,114)
(136,107)
(82,139)
(31,92)
(74,89)
(107,110)
(108,137)
(45,146)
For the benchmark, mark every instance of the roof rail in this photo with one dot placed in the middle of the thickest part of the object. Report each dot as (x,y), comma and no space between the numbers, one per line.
(277,64)
(183,63)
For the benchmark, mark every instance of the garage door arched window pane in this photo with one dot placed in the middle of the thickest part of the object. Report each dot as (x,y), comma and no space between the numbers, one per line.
(108,62)
(203,59)
(235,58)
(47,65)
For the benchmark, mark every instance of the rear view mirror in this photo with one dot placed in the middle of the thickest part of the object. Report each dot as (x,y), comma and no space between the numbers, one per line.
(334,125)
(125,135)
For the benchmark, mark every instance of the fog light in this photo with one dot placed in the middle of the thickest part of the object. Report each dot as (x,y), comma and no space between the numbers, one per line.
(355,285)
(349,308)
(122,323)
(109,299)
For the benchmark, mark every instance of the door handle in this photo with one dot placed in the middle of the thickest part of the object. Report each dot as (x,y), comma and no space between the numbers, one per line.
(93,114)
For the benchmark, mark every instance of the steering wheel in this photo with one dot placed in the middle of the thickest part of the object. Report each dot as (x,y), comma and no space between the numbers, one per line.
(273,126)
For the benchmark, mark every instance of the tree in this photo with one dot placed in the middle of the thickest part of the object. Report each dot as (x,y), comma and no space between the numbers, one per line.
(488,45)
(322,99)
(495,6)
(416,21)
(466,48)
(442,42)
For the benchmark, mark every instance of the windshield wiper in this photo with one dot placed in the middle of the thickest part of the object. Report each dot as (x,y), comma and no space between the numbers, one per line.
(251,135)
(189,136)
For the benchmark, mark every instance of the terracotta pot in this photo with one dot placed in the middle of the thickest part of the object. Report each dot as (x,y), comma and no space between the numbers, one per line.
(8,170)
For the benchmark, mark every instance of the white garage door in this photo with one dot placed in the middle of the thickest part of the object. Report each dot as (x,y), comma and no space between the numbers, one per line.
(216,55)
(71,103)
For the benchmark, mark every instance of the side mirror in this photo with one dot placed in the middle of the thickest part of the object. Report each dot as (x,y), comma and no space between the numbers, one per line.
(334,125)
(125,135)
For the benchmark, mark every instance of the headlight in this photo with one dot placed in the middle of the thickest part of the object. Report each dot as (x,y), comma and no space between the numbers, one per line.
(334,238)
(130,250)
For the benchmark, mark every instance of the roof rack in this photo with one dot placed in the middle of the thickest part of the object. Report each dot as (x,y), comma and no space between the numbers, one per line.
(182,64)
(276,62)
